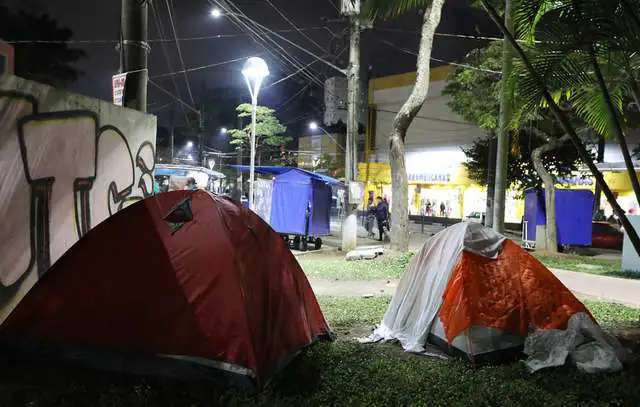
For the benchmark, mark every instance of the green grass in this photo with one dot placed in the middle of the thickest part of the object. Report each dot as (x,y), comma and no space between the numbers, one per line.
(610,268)
(394,266)
(389,266)
(345,373)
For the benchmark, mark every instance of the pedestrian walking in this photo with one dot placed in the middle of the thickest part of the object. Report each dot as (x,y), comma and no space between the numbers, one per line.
(382,216)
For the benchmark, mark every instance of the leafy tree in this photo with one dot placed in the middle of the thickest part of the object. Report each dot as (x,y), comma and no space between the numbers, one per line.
(581,38)
(270,133)
(385,9)
(50,63)
(539,151)
(521,172)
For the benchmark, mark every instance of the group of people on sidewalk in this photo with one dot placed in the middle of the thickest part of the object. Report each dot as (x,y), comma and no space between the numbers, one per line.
(379,213)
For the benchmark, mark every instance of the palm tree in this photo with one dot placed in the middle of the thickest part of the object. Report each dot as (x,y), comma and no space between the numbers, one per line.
(591,47)
(583,36)
(385,9)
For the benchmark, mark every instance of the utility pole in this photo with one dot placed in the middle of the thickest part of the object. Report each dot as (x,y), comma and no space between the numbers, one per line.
(351,8)
(506,109)
(134,51)
(172,135)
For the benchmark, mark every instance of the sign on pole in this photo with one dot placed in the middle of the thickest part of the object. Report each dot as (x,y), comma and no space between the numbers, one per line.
(350,7)
(117,84)
(6,59)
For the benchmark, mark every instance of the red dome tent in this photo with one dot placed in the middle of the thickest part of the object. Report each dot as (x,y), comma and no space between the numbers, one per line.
(186,282)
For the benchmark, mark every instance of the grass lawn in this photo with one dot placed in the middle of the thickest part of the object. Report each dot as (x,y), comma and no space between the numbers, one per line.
(611,268)
(346,373)
(334,267)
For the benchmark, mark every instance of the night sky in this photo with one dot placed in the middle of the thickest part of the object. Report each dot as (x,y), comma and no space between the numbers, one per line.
(99,20)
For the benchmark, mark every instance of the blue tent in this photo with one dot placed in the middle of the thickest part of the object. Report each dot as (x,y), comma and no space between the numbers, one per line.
(296,191)
(574,209)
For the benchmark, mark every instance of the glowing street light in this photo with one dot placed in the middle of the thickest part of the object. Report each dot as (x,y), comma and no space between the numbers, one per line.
(189,144)
(313,126)
(255,70)
(216,13)
(223,130)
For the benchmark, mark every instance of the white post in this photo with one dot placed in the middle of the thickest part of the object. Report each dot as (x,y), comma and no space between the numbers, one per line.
(252,162)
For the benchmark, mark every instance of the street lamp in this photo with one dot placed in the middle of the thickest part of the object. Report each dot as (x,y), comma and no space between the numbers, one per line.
(216,13)
(313,126)
(189,144)
(223,130)
(255,70)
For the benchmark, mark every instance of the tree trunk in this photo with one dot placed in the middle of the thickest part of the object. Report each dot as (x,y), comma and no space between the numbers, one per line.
(598,191)
(566,126)
(491,182)
(506,111)
(628,162)
(402,121)
(399,194)
(549,182)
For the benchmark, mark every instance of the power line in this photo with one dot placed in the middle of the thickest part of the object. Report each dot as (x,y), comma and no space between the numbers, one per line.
(334,6)
(295,27)
(175,36)
(160,29)
(448,35)
(288,76)
(292,98)
(201,67)
(177,99)
(260,35)
(406,51)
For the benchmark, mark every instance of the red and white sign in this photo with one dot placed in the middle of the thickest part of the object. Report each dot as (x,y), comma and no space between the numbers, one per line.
(117,85)
(6,59)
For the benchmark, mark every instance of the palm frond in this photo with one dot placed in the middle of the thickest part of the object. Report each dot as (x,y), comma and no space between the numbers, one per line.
(387,9)
(590,105)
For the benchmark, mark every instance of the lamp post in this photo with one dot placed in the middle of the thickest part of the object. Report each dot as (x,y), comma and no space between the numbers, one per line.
(313,126)
(255,71)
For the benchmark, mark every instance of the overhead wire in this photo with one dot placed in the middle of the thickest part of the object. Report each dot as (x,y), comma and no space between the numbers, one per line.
(414,53)
(169,4)
(155,40)
(292,98)
(266,32)
(201,67)
(260,36)
(256,38)
(160,29)
(285,18)
(263,33)
(176,98)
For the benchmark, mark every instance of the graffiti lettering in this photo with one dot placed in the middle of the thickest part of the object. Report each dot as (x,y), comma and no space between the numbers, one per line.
(62,172)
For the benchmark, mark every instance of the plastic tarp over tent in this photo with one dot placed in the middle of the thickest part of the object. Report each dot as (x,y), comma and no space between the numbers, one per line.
(476,295)
(187,280)
(294,192)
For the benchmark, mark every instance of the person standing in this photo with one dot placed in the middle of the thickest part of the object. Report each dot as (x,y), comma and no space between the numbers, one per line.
(382,216)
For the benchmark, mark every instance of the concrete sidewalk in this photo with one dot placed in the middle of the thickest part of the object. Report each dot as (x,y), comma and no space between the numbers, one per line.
(611,289)
(608,289)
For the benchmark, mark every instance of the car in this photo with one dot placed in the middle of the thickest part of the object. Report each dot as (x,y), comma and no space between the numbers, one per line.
(606,236)
(477,217)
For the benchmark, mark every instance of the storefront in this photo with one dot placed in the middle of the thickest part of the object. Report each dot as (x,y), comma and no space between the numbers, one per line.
(439,194)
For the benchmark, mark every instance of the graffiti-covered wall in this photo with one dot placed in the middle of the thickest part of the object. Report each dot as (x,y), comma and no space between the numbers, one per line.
(67,162)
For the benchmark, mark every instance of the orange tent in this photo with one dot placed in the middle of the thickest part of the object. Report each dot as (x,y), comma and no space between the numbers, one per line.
(182,282)
(477,295)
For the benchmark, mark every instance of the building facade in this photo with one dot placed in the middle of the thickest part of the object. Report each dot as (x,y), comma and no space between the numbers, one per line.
(434,158)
